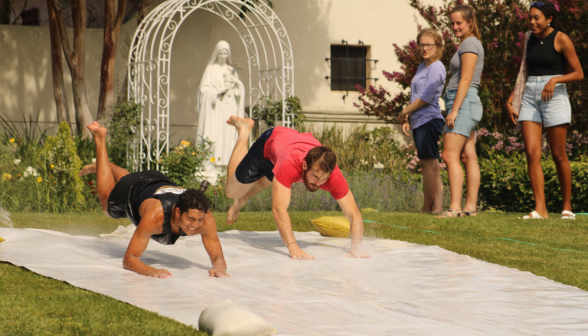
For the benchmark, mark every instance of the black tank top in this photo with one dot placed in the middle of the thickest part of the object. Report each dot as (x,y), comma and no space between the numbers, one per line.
(167,193)
(542,58)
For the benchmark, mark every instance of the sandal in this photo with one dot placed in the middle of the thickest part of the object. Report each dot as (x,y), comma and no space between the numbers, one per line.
(534,215)
(468,213)
(447,212)
(566,214)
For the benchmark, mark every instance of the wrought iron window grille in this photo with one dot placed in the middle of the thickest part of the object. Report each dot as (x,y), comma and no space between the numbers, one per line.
(347,79)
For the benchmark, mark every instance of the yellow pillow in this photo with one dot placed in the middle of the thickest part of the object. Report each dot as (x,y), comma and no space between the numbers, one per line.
(332,226)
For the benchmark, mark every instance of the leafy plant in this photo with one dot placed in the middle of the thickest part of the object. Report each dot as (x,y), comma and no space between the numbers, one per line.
(60,167)
(505,184)
(183,164)
(271,112)
(122,128)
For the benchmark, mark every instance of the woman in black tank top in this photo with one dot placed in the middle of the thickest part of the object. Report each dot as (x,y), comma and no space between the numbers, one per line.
(549,64)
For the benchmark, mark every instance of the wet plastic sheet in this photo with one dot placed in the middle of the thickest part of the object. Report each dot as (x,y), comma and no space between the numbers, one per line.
(404,289)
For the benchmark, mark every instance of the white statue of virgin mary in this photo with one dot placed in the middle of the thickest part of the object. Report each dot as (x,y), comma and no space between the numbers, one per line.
(221,95)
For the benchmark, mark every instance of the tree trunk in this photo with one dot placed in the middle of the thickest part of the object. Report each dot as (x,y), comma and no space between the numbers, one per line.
(57,69)
(113,17)
(142,11)
(75,61)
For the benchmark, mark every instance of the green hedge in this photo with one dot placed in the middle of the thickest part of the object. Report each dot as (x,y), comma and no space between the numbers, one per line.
(505,184)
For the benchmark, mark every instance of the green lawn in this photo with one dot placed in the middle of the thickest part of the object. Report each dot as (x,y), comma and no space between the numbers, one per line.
(33,304)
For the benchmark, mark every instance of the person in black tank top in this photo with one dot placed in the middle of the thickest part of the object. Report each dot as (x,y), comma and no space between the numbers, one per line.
(551,63)
(160,209)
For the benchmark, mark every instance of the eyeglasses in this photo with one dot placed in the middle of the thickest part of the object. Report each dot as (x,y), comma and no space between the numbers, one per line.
(537,4)
(427,46)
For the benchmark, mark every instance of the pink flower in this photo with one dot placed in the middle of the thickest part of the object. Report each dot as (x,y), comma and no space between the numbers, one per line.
(517,59)
(518,44)
(512,140)
(497,135)
(499,145)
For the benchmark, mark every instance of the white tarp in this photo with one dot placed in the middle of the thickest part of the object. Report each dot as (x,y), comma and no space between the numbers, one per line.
(404,289)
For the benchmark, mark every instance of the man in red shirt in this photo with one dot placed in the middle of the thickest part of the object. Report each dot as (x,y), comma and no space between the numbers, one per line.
(290,157)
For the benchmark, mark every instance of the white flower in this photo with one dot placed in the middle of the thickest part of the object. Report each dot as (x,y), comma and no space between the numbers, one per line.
(30,171)
(17,161)
(94,160)
(378,165)
(363,162)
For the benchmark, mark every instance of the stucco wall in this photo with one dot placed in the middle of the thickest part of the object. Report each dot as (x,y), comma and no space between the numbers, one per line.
(312,25)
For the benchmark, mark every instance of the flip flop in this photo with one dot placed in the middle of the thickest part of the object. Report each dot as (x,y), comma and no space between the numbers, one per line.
(445,214)
(566,214)
(468,213)
(534,215)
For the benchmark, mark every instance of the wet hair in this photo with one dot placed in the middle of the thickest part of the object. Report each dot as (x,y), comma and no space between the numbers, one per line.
(430,32)
(193,199)
(322,156)
(468,13)
(550,11)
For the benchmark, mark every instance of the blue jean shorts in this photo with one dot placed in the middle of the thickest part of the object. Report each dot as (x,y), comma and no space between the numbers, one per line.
(469,115)
(555,112)
(426,137)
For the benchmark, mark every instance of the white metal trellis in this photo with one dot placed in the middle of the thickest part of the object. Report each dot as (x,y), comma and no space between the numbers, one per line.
(269,54)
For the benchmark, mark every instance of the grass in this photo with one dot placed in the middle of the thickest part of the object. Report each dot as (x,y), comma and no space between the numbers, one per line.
(33,304)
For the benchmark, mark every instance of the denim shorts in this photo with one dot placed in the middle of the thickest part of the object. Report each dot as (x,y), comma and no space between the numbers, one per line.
(555,112)
(469,115)
(426,137)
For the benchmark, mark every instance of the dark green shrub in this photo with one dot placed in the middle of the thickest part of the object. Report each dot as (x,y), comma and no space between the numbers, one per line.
(271,112)
(505,184)
(122,128)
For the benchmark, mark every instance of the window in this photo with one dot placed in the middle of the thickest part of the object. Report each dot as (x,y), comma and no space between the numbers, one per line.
(348,67)
(30,17)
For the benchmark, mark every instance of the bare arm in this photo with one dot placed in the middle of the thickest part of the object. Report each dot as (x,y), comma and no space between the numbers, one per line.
(352,213)
(151,223)
(412,107)
(213,247)
(468,65)
(280,202)
(563,42)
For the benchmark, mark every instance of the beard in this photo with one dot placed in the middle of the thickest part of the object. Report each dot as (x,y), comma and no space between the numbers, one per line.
(309,186)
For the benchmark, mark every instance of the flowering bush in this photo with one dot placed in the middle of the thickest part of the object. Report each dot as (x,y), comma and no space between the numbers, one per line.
(502,24)
(61,167)
(183,164)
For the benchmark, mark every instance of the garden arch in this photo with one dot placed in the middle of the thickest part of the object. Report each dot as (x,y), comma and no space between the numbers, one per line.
(270,66)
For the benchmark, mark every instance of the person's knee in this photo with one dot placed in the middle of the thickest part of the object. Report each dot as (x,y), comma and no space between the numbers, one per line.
(534,156)
(450,158)
(559,157)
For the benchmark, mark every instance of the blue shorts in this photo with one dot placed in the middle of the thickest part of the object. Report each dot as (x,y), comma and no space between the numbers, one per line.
(555,112)
(469,115)
(426,137)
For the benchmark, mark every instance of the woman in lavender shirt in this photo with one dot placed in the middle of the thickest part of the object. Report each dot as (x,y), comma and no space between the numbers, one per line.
(424,114)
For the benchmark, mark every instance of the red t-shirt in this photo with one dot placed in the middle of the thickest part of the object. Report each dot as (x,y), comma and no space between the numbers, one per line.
(286,149)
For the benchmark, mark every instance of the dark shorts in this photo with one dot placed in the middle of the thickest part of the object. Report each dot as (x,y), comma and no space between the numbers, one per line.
(254,166)
(118,199)
(426,137)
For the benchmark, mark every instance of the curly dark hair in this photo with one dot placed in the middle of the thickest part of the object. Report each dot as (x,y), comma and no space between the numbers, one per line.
(193,199)
(550,11)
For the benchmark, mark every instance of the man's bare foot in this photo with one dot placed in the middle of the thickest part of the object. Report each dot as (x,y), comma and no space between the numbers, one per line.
(243,125)
(97,130)
(233,213)
(89,169)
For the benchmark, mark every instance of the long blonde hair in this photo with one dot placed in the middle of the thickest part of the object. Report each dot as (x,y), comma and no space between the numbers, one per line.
(430,32)
(468,13)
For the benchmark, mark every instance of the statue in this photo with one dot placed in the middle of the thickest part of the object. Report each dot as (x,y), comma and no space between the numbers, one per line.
(221,95)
